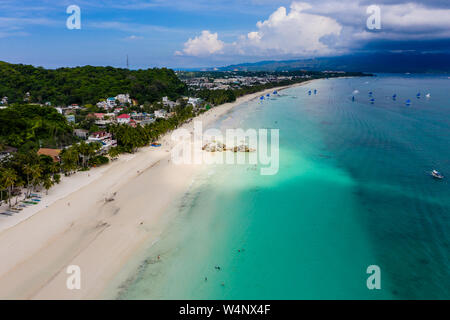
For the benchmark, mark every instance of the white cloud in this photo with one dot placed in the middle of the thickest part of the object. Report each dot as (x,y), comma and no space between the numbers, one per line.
(282,34)
(133,37)
(205,44)
(291,33)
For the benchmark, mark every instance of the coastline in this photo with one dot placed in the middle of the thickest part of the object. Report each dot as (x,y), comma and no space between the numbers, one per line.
(75,226)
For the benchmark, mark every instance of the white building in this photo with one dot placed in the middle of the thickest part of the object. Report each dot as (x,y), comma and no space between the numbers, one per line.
(123,98)
(111,102)
(168,103)
(194,101)
(4,100)
(104,138)
(161,114)
(102,105)
(124,119)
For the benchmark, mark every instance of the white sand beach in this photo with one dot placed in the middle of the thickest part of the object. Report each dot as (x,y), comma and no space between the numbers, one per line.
(74,225)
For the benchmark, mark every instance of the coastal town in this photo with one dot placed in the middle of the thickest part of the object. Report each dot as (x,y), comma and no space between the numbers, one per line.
(48,134)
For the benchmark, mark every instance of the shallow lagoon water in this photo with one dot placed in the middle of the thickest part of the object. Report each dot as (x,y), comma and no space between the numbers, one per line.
(352,190)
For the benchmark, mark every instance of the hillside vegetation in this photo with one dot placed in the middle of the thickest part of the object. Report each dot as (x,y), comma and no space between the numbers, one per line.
(86,85)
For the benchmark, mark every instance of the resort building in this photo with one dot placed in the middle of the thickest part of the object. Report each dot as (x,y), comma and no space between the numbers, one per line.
(81,133)
(97,116)
(52,153)
(161,114)
(102,105)
(111,102)
(6,152)
(170,104)
(124,119)
(105,139)
(70,118)
(123,98)
(194,101)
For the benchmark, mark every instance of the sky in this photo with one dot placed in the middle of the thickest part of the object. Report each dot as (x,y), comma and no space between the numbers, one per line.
(208,33)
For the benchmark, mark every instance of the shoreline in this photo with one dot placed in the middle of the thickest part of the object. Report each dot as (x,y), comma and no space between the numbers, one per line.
(75,226)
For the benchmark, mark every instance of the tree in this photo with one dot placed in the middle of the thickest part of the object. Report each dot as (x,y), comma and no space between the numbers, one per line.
(48,182)
(113,152)
(9,179)
(69,158)
(36,173)
(27,169)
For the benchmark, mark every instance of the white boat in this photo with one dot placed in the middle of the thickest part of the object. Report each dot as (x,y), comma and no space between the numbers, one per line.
(436,174)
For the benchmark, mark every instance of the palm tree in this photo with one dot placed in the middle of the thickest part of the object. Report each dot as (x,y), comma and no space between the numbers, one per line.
(27,169)
(9,179)
(47,182)
(70,158)
(55,168)
(2,187)
(113,152)
(36,173)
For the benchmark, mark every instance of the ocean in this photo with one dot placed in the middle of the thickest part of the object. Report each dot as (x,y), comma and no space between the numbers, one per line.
(353,190)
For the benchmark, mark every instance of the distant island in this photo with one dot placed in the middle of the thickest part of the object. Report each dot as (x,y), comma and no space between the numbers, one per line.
(392,62)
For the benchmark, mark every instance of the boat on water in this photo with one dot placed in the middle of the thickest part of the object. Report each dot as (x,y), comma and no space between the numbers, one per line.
(436,174)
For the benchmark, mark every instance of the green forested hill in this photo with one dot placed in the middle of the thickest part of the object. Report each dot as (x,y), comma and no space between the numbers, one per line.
(87,84)
(32,126)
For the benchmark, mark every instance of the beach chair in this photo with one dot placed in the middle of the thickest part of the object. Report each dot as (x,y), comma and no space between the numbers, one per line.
(6,214)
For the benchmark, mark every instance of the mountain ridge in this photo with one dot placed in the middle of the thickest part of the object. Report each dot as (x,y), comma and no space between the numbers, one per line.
(380,62)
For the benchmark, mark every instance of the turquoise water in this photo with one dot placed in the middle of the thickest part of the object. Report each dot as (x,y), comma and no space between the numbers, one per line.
(352,190)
